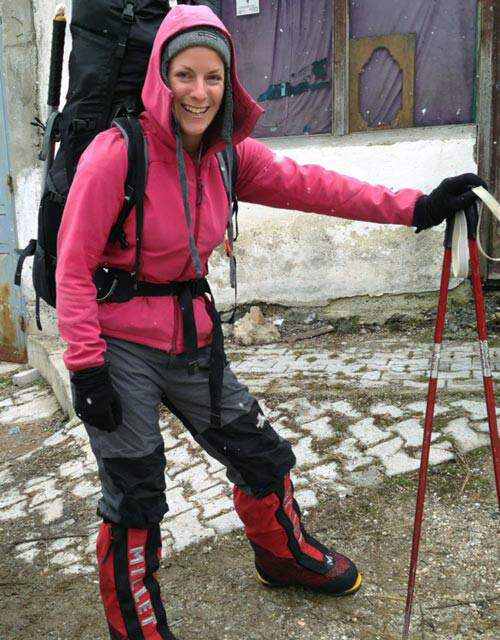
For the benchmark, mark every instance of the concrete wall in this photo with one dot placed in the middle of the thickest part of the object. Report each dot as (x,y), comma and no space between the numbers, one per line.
(283,257)
(21,56)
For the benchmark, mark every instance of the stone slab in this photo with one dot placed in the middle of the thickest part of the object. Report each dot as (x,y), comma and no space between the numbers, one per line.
(24,378)
(366,431)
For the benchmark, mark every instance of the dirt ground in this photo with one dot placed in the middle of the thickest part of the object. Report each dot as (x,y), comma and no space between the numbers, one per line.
(210,590)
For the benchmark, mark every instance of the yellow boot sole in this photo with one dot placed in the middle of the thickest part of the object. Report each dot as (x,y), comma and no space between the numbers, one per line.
(349,592)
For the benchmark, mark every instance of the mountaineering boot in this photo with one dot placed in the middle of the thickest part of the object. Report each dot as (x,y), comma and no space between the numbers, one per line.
(284,553)
(128,560)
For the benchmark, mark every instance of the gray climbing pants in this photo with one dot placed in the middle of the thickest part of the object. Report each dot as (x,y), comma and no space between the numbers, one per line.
(131,460)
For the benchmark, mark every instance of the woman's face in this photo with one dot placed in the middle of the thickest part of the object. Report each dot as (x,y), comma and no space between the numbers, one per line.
(196,78)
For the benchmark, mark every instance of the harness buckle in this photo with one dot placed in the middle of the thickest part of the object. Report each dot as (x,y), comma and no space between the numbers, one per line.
(128,12)
(82,124)
(193,367)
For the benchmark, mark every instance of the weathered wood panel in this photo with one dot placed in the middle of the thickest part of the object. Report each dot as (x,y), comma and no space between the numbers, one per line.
(340,63)
(401,47)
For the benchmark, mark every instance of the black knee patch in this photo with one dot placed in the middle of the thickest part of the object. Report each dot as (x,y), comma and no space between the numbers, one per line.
(254,449)
(142,483)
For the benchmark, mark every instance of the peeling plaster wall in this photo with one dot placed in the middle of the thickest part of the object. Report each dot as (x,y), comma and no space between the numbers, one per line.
(288,257)
(20,57)
(20,82)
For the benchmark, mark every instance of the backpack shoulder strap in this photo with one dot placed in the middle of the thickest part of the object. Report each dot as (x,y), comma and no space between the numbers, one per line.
(135,182)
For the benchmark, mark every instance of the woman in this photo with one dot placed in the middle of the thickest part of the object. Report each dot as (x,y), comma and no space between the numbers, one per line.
(127,357)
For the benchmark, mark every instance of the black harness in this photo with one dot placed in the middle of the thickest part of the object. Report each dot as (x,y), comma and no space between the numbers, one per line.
(115,285)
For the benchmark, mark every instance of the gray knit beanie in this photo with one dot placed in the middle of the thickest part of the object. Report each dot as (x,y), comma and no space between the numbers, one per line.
(198,37)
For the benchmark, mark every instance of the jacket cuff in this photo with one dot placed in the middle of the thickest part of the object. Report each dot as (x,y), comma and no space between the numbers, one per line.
(97,375)
(421,214)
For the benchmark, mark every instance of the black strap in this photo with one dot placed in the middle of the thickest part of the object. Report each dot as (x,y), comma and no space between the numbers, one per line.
(189,328)
(304,559)
(153,546)
(37,313)
(196,288)
(135,183)
(140,187)
(127,21)
(217,363)
(117,234)
(49,135)
(234,177)
(29,250)
(124,593)
(69,134)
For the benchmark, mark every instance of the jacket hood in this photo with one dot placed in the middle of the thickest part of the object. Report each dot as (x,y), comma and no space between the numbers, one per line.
(157,97)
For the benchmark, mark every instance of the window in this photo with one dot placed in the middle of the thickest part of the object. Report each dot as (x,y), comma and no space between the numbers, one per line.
(444,54)
(412,63)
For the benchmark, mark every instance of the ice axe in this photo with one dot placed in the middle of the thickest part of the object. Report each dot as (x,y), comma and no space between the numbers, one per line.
(54,89)
(468,220)
(50,129)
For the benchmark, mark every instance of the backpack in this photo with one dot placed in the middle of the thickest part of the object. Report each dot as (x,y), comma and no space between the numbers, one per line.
(112,41)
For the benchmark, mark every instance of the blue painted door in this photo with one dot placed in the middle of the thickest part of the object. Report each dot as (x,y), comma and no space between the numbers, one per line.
(12,323)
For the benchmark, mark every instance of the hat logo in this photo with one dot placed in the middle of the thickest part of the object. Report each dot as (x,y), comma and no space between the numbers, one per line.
(207,34)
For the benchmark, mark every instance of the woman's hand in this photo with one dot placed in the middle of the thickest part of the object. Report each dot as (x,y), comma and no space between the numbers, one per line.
(95,400)
(452,195)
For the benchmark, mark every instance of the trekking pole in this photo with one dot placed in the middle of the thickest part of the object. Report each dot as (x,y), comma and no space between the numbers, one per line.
(471,218)
(482,334)
(54,89)
(429,415)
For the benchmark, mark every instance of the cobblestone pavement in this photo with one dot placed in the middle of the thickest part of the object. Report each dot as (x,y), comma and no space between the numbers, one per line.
(340,443)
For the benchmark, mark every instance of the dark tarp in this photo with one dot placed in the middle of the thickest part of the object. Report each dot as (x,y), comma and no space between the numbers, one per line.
(284,60)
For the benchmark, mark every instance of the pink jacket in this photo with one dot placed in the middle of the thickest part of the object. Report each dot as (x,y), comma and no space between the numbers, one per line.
(96,197)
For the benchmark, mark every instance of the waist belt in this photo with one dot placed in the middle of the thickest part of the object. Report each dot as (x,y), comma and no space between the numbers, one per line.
(115,285)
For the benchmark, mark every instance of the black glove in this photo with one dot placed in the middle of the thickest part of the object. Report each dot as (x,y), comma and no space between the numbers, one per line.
(452,195)
(95,399)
